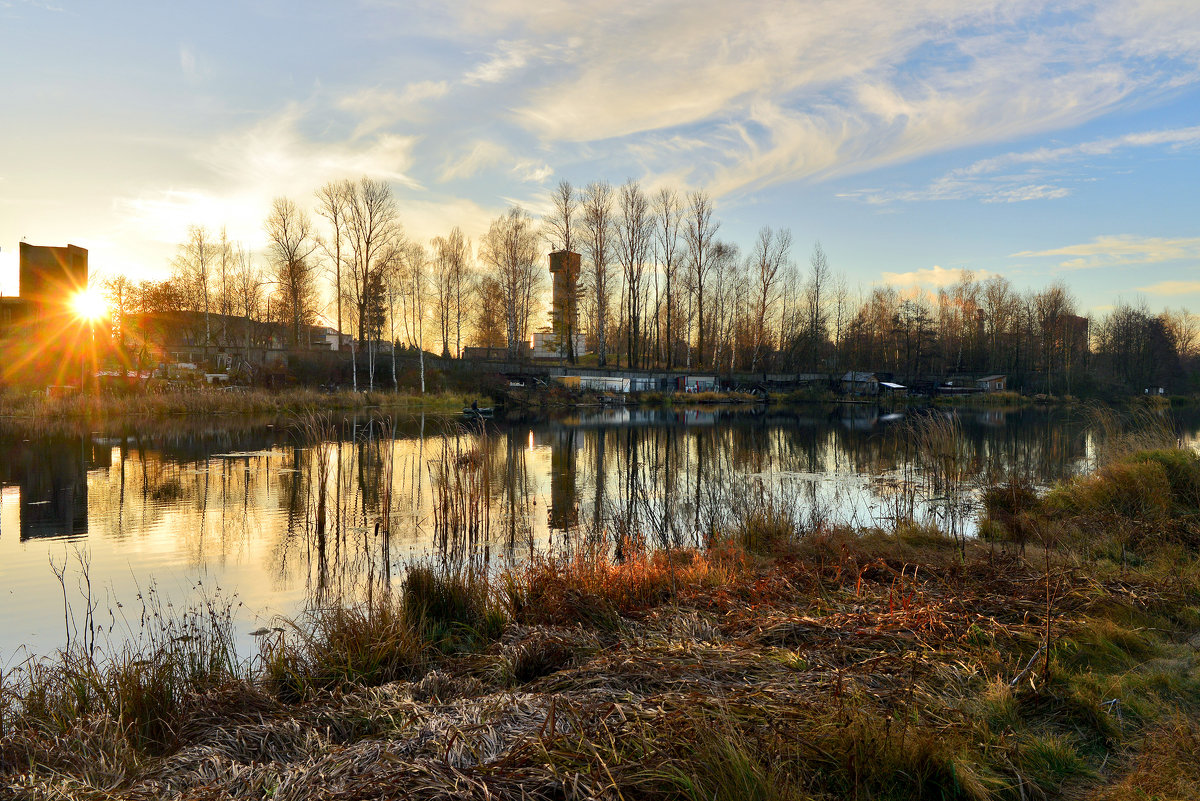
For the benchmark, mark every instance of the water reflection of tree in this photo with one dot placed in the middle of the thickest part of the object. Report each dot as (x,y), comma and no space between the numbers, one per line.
(673,477)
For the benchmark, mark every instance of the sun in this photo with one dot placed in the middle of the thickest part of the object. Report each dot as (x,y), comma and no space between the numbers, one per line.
(89,305)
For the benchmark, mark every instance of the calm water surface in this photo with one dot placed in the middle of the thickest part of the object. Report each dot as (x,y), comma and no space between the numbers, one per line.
(231,508)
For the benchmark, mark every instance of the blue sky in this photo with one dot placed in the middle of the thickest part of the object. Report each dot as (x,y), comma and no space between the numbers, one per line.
(1041,141)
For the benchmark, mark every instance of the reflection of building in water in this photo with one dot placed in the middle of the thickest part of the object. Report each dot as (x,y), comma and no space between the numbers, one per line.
(860,418)
(564,500)
(52,477)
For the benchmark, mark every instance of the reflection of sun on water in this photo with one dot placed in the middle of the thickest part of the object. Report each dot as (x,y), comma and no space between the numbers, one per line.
(89,305)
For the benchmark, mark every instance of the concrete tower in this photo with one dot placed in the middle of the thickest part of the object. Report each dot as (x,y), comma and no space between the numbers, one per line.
(564,311)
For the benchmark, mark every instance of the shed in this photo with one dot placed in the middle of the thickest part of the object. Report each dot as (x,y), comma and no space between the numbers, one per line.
(856,383)
(992,383)
(698,383)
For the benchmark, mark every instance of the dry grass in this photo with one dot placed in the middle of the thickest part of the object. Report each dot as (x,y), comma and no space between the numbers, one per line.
(34,407)
(591,588)
(825,665)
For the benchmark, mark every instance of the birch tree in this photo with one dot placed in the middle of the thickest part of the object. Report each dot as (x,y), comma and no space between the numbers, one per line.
(290,246)
(597,212)
(510,250)
(668,219)
(634,232)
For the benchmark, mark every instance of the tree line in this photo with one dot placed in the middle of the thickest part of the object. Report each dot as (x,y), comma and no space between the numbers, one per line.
(659,288)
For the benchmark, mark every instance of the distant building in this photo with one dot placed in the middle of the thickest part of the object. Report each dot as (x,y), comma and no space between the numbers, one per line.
(857,383)
(548,345)
(49,280)
(51,277)
(697,383)
(564,309)
(992,383)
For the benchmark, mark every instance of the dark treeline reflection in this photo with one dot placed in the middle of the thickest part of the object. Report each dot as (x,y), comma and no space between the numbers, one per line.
(331,505)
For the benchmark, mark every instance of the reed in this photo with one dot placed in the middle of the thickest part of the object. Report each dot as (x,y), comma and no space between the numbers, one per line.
(131,694)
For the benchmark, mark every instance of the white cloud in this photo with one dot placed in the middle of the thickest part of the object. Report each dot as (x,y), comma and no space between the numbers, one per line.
(378,108)
(509,58)
(248,168)
(1022,175)
(532,171)
(1120,249)
(482,154)
(781,91)
(195,68)
(935,277)
(1171,288)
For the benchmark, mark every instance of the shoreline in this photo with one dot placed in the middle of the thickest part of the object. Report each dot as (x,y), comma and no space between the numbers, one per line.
(1055,656)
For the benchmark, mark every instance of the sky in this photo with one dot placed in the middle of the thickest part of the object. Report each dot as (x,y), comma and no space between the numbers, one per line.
(914,140)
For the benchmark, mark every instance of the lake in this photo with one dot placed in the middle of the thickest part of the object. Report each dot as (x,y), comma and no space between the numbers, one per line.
(232,509)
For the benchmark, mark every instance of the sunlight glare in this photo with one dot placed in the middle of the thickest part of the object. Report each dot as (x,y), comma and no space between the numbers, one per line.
(89,305)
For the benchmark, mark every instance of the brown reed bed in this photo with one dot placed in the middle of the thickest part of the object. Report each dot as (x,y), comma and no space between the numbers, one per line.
(32,407)
(823,664)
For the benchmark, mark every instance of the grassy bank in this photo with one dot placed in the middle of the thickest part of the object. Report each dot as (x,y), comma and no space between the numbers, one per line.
(29,406)
(1057,658)
(690,398)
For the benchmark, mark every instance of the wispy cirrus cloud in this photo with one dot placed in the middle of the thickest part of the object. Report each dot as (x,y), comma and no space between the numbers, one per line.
(1119,249)
(781,91)
(1171,288)
(1038,174)
(378,108)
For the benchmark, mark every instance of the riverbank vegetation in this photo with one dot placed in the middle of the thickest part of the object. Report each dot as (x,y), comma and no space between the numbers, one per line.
(777,658)
(37,406)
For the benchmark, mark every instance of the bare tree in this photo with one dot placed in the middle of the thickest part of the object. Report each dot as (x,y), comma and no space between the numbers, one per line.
(668,217)
(120,292)
(374,235)
(416,264)
(699,234)
(193,269)
(449,276)
(816,313)
(225,267)
(247,290)
(333,203)
(767,264)
(510,249)
(559,226)
(597,205)
(634,232)
(291,246)
(841,310)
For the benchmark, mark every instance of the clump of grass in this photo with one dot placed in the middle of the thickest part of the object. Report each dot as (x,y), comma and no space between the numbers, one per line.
(440,609)
(142,686)
(1167,766)
(765,524)
(369,644)
(595,588)
(1010,509)
(453,606)
(1129,489)
(1118,435)
(202,400)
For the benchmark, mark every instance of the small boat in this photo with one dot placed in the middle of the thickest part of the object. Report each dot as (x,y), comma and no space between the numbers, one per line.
(472,412)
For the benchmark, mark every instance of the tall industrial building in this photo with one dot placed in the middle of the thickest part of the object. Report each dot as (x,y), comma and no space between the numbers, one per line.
(50,278)
(564,311)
